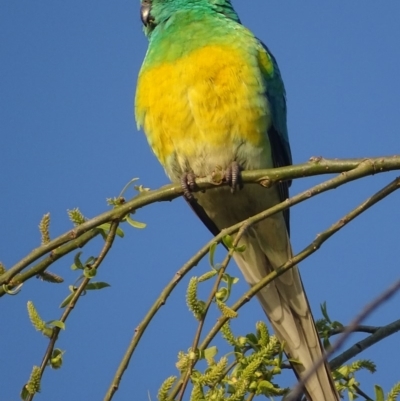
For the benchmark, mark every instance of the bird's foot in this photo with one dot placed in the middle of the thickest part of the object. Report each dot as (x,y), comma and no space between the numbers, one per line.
(188,184)
(233,176)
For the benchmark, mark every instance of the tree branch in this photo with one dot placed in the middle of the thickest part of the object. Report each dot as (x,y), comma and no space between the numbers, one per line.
(214,290)
(266,177)
(359,329)
(388,293)
(341,179)
(50,259)
(378,335)
(309,250)
(56,330)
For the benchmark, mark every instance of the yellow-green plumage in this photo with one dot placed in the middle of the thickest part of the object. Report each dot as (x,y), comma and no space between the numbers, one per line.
(210,96)
(209,93)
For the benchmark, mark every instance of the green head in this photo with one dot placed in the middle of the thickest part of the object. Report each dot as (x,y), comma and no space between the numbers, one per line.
(156,12)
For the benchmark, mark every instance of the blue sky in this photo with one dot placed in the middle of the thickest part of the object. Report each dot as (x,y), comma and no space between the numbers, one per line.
(68,139)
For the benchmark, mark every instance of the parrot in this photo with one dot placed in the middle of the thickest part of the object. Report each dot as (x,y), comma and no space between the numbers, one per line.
(210,98)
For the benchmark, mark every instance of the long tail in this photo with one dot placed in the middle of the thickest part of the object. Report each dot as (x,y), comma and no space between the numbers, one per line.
(284,300)
(285,303)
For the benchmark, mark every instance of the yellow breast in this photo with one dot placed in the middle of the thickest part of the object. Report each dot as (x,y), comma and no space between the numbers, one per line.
(209,101)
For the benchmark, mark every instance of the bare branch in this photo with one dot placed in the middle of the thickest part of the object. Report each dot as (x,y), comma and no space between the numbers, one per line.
(378,335)
(387,294)
(266,177)
(359,329)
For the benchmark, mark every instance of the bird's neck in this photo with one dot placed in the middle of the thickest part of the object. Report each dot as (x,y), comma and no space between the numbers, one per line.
(187,31)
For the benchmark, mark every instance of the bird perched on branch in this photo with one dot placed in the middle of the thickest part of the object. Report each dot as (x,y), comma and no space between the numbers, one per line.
(210,97)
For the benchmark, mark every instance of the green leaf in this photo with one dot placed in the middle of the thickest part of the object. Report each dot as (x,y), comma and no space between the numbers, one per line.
(97,285)
(337,325)
(222,294)
(228,241)
(209,353)
(135,224)
(211,254)
(230,389)
(24,393)
(240,248)
(344,370)
(324,311)
(252,339)
(89,272)
(77,262)
(326,343)
(56,323)
(106,227)
(230,280)
(127,186)
(56,359)
(13,291)
(141,188)
(294,361)
(116,202)
(47,331)
(66,301)
(226,291)
(90,260)
(379,394)
(267,388)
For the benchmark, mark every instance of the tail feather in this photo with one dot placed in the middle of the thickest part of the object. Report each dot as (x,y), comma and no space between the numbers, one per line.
(285,303)
(284,300)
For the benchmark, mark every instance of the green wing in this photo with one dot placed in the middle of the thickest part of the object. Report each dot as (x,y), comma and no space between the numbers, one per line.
(278,133)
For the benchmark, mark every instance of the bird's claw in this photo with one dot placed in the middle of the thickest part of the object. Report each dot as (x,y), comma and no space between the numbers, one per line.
(188,184)
(233,176)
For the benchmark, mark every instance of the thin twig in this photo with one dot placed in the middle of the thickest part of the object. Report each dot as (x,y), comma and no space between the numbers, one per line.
(388,293)
(360,392)
(56,330)
(359,329)
(267,177)
(51,258)
(380,334)
(214,290)
(251,397)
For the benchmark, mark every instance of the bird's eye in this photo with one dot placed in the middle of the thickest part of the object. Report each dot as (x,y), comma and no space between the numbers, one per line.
(145,14)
